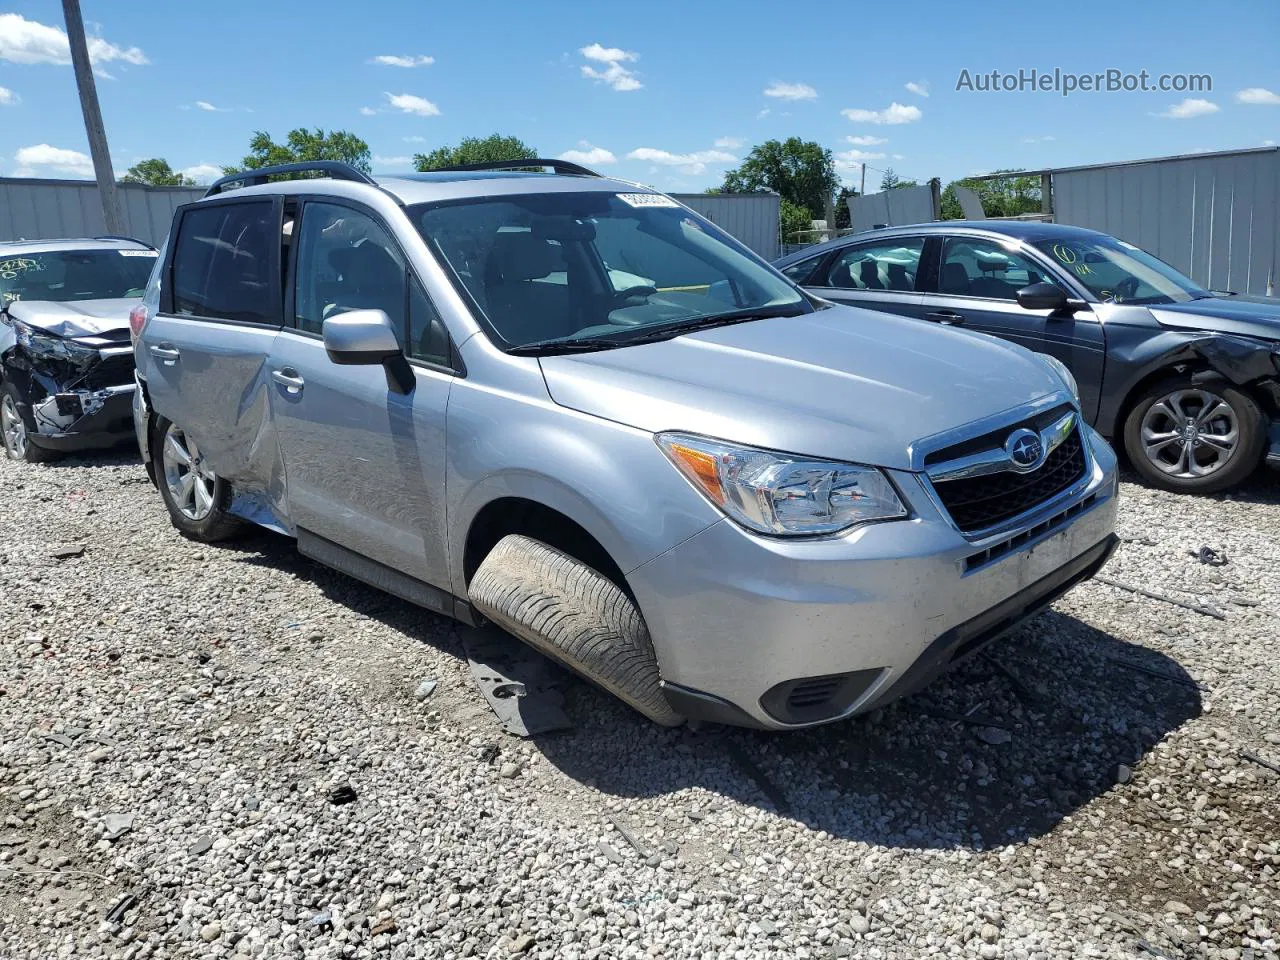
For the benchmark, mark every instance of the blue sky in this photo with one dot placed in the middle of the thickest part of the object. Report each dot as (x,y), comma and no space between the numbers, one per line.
(667,93)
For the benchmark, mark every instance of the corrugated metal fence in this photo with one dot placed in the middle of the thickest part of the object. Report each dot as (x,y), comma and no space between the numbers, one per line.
(750,217)
(47,209)
(893,208)
(1215,217)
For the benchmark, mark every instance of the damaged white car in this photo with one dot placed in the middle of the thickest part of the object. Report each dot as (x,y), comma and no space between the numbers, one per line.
(66,362)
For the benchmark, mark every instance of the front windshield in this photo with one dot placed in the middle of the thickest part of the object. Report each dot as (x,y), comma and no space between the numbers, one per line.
(75,275)
(595,266)
(1119,272)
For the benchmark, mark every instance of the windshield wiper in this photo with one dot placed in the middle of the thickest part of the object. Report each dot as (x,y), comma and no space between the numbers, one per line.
(652,334)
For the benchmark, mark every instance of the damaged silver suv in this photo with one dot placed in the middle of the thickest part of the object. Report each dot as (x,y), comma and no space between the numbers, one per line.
(66,364)
(571,406)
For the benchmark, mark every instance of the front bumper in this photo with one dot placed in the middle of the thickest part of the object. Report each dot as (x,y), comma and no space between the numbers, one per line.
(83,420)
(753,631)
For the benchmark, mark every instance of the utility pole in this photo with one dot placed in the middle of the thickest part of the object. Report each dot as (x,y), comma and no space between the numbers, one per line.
(111,213)
(862,190)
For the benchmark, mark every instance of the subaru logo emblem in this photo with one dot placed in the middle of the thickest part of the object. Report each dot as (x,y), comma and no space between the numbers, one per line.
(1024,449)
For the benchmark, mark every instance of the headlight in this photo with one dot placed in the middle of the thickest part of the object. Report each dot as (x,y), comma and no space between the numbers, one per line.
(1060,368)
(46,346)
(782,494)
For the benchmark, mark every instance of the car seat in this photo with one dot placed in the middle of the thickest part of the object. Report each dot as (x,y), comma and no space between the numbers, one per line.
(954,279)
(523,309)
(869,274)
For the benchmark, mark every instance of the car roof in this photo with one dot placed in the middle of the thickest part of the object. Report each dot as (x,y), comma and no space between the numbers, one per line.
(433,186)
(17,248)
(1026,230)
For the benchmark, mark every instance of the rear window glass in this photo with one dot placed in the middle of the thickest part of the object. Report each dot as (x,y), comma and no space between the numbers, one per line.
(224,263)
(65,275)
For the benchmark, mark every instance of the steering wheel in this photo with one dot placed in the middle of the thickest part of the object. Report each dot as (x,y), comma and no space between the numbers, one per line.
(1125,289)
(640,290)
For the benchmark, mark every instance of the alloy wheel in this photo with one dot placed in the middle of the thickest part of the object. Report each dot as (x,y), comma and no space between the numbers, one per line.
(1188,434)
(189,480)
(14,429)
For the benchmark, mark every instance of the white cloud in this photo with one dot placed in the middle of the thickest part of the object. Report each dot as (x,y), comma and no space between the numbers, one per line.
(763,113)
(27,41)
(854,159)
(202,172)
(55,158)
(206,105)
(414,139)
(920,89)
(368,112)
(791,91)
(614,73)
(1191,107)
(397,161)
(7,97)
(867,141)
(411,104)
(1044,139)
(388,60)
(1268,143)
(588,154)
(893,114)
(728,143)
(898,156)
(1259,95)
(690,163)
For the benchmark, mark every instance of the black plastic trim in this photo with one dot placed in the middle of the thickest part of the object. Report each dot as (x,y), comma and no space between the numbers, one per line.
(558,166)
(696,705)
(336,169)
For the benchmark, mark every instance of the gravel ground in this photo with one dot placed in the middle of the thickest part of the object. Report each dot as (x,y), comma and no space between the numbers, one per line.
(218,752)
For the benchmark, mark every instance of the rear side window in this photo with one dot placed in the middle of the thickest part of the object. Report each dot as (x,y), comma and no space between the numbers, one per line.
(225,263)
(886,265)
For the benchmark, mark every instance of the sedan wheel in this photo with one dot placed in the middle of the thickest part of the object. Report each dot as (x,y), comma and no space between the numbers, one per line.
(1190,434)
(1194,438)
(15,431)
(191,483)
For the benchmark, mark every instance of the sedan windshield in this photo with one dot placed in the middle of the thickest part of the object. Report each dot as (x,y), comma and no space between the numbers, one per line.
(1119,272)
(75,275)
(597,270)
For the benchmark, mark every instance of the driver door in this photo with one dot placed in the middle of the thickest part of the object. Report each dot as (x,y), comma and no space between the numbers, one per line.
(977,289)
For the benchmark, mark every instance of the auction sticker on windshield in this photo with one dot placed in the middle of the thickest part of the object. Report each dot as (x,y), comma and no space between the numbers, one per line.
(138,253)
(647,200)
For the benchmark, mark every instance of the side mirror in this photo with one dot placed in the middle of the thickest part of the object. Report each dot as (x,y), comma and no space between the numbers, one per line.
(1042,296)
(366,337)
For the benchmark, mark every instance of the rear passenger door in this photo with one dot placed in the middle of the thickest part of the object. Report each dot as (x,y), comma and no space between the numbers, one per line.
(202,355)
(364,464)
(882,274)
(977,289)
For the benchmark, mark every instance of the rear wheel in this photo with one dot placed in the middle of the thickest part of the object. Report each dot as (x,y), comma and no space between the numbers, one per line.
(196,497)
(574,615)
(1194,438)
(16,431)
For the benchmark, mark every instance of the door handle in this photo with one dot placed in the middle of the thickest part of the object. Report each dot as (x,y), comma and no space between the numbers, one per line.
(948,317)
(166,355)
(289,379)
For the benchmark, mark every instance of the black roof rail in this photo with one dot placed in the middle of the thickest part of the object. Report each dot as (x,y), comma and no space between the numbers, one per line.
(557,166)
(118,236)
(336,169)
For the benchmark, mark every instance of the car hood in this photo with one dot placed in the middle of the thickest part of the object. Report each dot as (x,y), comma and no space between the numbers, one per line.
(74,318)
(841,383)
(1246,316)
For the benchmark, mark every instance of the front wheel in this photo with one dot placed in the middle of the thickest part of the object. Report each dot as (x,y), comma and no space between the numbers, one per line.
(1194,438)
(197,498)
(13,427)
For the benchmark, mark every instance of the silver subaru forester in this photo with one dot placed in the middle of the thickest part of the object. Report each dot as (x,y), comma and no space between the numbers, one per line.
(570,406)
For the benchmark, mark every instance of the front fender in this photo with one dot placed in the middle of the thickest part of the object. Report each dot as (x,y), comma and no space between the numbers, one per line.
(610,479)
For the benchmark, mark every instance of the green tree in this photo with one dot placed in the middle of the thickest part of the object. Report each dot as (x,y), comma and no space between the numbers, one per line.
(794,220)
(490,149)
(843,221)
(157,173)
(802,172)
(303,144)
(1009,196)
(891,181)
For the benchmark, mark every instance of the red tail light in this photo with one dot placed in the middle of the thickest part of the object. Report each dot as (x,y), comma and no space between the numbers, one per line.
(137,319)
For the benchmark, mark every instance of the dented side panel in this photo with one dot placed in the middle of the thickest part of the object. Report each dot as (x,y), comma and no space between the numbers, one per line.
(212,379)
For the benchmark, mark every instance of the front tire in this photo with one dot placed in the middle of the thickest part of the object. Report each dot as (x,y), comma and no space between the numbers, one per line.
(1194,438)
(17,431)
(196,497)
(574,615)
